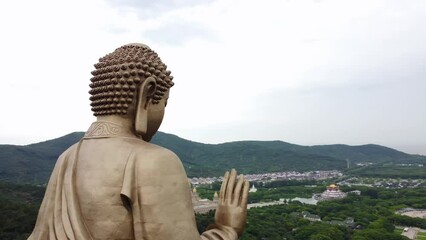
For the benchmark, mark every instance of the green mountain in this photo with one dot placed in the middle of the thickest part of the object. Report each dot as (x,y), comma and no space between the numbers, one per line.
(34,163)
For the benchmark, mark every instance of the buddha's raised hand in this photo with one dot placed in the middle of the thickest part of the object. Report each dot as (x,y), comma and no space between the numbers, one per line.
(232,208)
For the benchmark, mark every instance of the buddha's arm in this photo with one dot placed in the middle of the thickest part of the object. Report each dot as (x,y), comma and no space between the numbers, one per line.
(164,203)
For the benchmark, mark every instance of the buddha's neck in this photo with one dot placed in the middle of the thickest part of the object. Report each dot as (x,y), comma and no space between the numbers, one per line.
(125,121)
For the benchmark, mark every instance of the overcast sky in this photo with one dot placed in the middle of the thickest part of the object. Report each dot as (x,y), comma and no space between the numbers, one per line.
(305,72)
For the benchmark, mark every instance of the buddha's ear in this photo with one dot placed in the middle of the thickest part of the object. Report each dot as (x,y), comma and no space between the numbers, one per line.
(145,93)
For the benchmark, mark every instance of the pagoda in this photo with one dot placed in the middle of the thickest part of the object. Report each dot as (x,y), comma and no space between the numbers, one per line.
(333,192)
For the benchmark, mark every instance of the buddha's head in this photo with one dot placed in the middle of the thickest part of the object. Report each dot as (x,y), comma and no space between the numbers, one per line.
(131,82)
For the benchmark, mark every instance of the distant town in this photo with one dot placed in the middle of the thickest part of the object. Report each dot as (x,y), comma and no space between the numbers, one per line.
(341,179)
(388,183)
(275,176)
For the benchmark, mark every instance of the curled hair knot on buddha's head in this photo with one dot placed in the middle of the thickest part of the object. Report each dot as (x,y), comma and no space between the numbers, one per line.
(118,75)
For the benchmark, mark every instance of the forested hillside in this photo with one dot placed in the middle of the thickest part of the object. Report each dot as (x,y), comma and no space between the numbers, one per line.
(33,163)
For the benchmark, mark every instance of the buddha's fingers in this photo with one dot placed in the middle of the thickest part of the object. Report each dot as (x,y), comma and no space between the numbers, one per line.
(236,198)
(230,187)
(223,187)
(244,196)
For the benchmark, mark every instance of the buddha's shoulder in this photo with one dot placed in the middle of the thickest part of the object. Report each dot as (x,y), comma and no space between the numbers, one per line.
(154,157)
(146,150)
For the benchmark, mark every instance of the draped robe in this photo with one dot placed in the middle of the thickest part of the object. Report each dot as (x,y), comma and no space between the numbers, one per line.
(112,185)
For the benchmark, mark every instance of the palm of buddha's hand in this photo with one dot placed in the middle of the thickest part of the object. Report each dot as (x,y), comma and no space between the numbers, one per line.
(232,208)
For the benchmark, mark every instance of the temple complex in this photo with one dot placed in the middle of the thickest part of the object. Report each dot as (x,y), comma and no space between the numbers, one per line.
(333,192)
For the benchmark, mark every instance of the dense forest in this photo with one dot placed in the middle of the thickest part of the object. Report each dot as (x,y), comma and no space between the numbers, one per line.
(19,206)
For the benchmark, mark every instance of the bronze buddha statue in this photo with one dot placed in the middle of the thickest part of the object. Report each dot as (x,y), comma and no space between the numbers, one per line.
(113,183)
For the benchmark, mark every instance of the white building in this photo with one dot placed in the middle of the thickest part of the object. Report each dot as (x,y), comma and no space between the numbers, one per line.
(253,189)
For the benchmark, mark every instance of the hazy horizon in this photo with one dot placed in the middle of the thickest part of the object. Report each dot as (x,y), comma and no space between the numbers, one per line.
(405,149)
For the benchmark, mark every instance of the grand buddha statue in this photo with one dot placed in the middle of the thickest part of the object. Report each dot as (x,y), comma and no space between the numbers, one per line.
(113,183)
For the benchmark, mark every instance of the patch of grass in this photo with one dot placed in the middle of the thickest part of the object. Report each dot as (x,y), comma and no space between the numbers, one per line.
(421,236)
(398,230)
